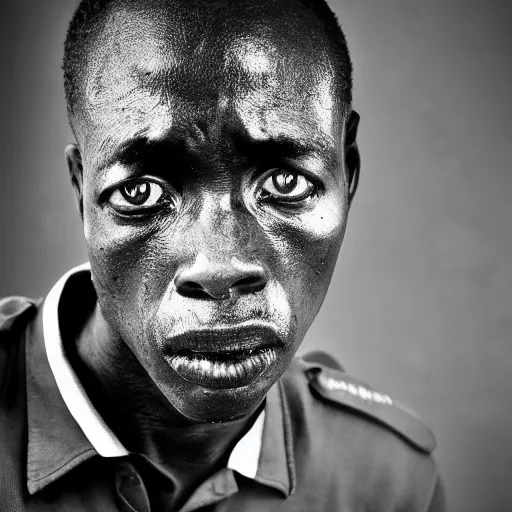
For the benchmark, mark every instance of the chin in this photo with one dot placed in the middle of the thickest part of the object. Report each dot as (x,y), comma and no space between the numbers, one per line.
(214,404)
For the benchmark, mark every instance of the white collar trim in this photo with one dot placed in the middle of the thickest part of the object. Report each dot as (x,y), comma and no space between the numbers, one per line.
(244,458)
(246,454)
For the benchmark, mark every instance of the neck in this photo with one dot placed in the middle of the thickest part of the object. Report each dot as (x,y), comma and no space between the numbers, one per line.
(140,416)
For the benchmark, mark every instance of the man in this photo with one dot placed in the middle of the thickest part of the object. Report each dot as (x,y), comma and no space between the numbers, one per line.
(215,163)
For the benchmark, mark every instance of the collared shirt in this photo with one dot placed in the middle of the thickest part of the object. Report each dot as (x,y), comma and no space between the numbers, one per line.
(65,431)
(244,457)
(306,452)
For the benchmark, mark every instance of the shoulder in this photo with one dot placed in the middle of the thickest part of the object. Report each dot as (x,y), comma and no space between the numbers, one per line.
(15,313)
(371,439)
(13,310)
(329,388)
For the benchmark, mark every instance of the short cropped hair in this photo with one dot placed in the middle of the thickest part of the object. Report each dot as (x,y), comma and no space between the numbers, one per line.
(90,13)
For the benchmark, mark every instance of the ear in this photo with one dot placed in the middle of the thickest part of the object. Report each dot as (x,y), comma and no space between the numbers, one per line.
(352,156)
(74,165)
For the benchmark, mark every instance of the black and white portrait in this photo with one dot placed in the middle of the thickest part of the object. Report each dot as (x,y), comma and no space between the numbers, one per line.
(255,256)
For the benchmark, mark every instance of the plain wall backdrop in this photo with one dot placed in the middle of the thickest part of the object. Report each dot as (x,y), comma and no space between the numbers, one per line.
(420,303)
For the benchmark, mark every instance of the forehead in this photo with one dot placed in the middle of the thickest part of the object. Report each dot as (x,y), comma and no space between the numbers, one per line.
(149,73)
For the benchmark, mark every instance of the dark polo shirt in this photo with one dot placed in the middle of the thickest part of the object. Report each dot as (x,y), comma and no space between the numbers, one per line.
(324,443)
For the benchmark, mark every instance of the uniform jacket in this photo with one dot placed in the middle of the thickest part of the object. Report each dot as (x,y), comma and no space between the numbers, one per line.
(329,443)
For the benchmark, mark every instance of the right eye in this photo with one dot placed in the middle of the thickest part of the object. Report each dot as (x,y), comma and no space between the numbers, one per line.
(137,197)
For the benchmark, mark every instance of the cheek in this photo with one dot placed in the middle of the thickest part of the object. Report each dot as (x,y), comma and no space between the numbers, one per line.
(308,248)
(128,271)
(323,234)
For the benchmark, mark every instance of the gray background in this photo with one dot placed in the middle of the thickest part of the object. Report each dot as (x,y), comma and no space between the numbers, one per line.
(420,304)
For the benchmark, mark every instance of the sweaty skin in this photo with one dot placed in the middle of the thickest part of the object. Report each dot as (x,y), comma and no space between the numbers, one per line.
(224,128)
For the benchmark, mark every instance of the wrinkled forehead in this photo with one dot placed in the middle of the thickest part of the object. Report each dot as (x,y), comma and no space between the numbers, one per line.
(149,69)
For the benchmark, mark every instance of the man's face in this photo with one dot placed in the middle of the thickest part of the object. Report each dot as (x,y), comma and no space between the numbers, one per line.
(214,203)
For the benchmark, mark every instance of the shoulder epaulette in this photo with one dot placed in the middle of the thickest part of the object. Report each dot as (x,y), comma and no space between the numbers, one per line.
(336,386)
(12,309)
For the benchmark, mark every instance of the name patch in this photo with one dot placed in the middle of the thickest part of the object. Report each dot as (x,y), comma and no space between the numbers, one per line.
(357,390)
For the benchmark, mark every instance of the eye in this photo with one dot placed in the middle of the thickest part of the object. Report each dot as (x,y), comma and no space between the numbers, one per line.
(287,186)
(135,196)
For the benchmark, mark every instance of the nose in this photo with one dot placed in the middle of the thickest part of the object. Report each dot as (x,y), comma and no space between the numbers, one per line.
(220,280)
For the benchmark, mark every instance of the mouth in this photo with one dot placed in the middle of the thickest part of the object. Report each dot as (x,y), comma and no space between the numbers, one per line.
(224,358)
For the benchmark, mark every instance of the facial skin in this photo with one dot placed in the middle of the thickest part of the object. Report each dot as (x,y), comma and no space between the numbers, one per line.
(211,175)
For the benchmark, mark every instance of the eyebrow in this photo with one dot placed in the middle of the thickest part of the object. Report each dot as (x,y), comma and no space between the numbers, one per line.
(282,147)
(142,148)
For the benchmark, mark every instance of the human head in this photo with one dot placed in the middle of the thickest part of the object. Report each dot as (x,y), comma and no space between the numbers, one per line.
(215,149)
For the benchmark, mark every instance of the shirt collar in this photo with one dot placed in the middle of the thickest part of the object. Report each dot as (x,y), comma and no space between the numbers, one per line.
(95,429)
(64,428)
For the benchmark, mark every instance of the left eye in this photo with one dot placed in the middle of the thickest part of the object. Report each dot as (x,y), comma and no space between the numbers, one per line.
(136,195)
(287,186)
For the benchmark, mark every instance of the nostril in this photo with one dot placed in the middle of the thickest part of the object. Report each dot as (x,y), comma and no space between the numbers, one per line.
(193,290)
(250,284)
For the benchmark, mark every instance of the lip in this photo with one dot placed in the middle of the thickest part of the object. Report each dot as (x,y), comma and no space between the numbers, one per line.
(224,357)
(225,338)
